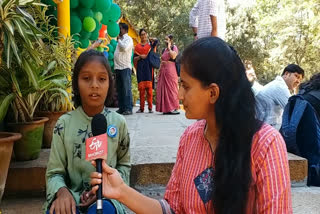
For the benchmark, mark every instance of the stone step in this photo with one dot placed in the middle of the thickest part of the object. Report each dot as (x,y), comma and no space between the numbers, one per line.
(29,177)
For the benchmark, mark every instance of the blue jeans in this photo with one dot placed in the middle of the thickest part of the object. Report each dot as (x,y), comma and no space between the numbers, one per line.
(108,208)
(123,81)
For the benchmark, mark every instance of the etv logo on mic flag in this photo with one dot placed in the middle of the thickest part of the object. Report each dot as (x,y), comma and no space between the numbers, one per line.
(97,147)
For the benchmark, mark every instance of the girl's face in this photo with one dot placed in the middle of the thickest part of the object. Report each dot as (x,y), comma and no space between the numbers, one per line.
(196,99)
(93,84)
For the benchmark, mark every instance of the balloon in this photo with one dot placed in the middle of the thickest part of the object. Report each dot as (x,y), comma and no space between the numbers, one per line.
(98,16)
(106,54)
(74,13)
(113,29)
(100,49)
(94,35)
(111,48)
(89,24)
(102,5)
(74,4)
(84,12)
(84,34)
(75,37)
(113,43)
(114,12)
(87,3)
(102,31)
(75,24)
(111,63)
(110,57)
(84,43)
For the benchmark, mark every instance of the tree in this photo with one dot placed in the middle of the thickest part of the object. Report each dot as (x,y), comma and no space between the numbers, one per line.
(161,17)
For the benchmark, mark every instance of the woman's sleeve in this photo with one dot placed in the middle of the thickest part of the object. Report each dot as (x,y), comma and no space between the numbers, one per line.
(273,178)
(123,154)
(56,168)
(172,194)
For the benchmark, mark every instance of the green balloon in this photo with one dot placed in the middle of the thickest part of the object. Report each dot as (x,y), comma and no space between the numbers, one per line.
(110,56)
(74,4)
(114,43)
(84,34)
(76,45)
(98,16)
(84,12)
(114,12)
(111,48)
(111,63)
(113,29)
(87,3)
(75,24)
(75,37)
(94,35)
(84,43)
(100,49)
(73,13)
(89,24)
(102,5)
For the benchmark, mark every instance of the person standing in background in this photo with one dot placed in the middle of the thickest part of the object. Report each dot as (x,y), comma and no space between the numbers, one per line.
(208,18)
(123,69)
(144,70)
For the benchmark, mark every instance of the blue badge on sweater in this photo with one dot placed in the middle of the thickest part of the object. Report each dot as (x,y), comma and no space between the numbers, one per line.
(204,184)
(112,131)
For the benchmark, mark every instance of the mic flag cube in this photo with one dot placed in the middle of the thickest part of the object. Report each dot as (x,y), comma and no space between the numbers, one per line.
(97,147)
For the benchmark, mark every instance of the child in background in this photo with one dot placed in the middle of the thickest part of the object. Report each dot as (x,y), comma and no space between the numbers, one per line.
(68,173)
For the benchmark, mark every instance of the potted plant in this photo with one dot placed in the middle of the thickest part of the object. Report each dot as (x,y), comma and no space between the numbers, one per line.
(6,144)
(22,84)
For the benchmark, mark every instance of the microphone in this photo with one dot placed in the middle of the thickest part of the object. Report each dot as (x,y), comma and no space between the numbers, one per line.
(99,129)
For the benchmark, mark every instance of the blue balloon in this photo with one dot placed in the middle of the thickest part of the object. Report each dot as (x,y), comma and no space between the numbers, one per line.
(106,54)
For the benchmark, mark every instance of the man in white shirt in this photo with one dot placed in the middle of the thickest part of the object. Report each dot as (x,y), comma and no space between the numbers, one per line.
(208,18)
(274,96)
(123,68)
(251,75)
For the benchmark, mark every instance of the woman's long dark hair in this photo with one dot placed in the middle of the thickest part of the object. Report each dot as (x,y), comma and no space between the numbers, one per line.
(211,60)
(312,84)
(84,58)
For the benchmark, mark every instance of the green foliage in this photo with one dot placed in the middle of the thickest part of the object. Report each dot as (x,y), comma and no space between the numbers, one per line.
(160,18)
(275,33)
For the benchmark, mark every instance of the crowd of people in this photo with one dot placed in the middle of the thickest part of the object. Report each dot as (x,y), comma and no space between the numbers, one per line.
(233,159)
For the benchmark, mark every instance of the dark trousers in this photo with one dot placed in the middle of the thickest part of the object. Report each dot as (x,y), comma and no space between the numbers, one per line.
(123,80)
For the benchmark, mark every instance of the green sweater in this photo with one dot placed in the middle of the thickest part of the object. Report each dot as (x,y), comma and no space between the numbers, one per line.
(67,166)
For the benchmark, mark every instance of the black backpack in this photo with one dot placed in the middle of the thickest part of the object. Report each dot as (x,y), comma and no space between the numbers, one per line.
(301,132)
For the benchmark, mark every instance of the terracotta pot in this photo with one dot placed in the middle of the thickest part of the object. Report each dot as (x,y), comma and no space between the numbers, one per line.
(6,144)
(49,126)
(29,146)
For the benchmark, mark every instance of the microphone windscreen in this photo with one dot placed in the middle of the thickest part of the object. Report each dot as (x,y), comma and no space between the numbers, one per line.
(99,125)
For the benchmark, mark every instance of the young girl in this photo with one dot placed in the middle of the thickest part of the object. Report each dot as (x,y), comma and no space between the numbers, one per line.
(68,173)
(227,161)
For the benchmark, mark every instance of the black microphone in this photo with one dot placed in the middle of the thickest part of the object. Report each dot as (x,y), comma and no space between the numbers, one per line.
(99,126)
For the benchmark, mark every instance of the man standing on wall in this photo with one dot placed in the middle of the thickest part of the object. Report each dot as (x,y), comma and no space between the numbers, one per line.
(208,18)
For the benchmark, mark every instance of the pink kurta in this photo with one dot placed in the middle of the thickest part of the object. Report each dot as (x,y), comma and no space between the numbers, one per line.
(167,86)
(189,190)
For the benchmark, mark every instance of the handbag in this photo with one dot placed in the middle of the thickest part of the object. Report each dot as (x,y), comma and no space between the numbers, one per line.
(154,59)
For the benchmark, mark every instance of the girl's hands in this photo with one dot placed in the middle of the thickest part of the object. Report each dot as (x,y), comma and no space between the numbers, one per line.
(64,203)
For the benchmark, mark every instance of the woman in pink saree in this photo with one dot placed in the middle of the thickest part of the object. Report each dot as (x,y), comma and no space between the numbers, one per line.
(167,86)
